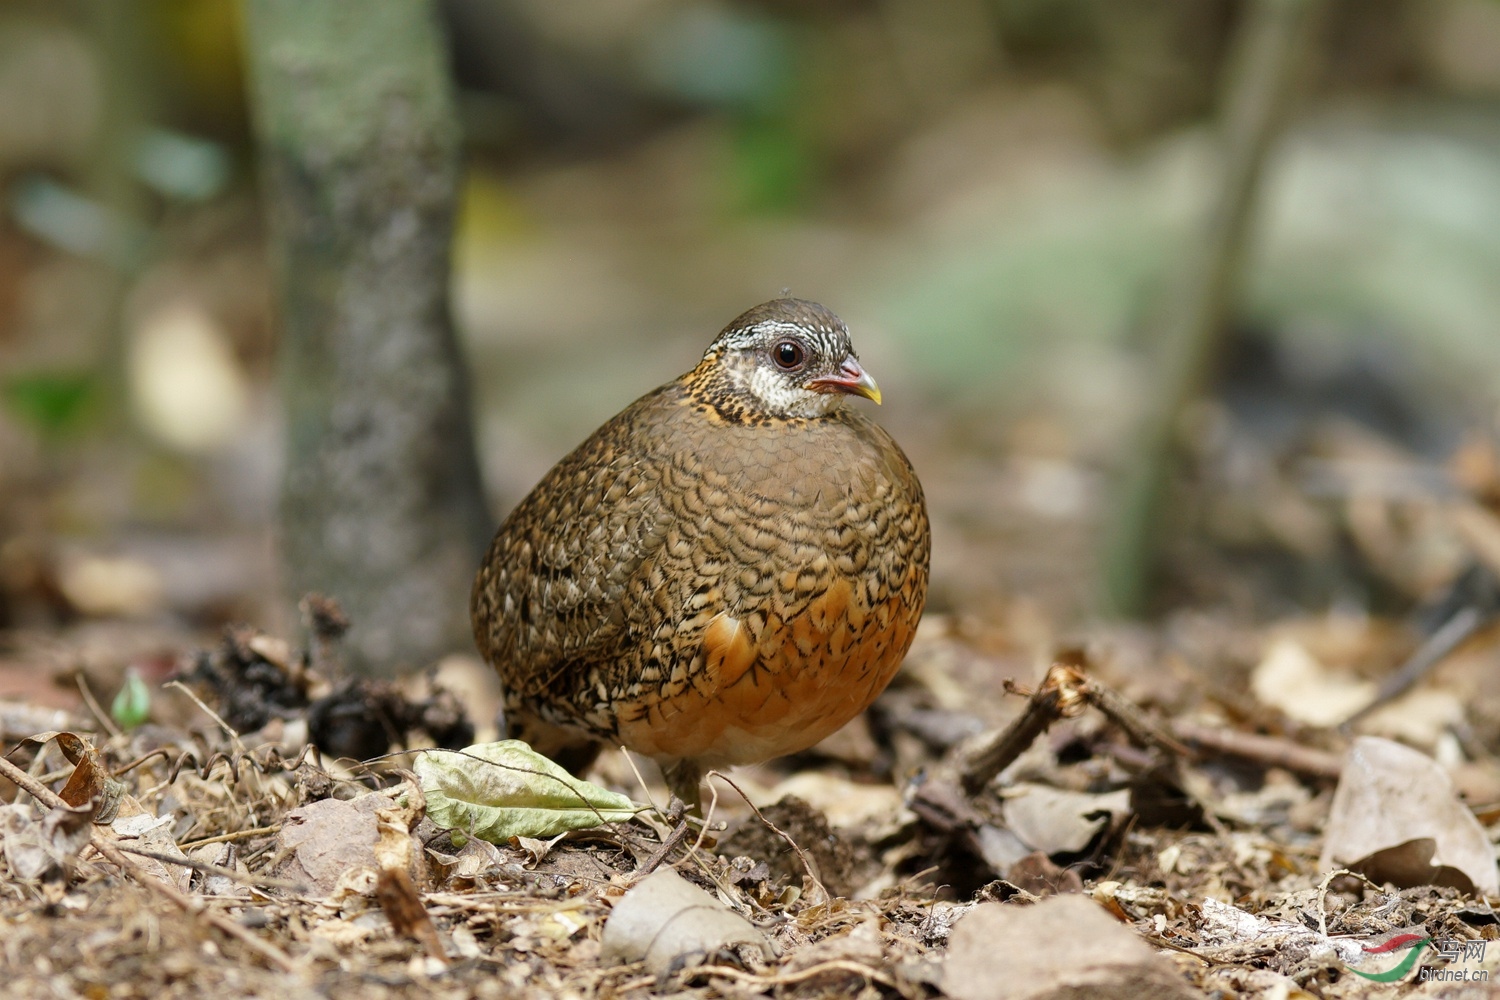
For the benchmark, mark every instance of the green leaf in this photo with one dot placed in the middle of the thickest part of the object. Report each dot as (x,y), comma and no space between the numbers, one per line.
(50,401)
(132,706)
(496,791)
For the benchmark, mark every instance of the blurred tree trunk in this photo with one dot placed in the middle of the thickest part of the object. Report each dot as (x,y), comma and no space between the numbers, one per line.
(381,504)
(1264,69)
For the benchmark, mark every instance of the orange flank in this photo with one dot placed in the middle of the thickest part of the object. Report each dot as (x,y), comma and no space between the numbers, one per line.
(801,682)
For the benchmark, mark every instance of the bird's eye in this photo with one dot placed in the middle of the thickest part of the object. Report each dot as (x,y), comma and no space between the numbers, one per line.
(789,354)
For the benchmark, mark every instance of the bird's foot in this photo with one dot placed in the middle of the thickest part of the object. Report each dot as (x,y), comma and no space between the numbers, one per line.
(684,779)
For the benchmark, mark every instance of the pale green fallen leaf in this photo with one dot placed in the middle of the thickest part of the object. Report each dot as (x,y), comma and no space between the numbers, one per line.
(132,706)
(496,791)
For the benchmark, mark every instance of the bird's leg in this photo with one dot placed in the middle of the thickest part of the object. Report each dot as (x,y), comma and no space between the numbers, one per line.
(684,779)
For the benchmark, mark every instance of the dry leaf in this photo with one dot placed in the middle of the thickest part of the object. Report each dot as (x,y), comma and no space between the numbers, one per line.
(1063,947)
(328,838)
(37,846)
(90,778)
(1395,818)
(669,923)
(1290,680)
(496,791)
(403,907)
(1060,822)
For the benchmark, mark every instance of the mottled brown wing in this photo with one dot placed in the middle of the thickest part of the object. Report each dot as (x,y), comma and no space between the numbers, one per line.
(549,596)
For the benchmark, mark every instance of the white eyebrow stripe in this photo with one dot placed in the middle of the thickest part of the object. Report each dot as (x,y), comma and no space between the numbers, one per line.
(752,334)
(806,321)
(824,337)
(778,326)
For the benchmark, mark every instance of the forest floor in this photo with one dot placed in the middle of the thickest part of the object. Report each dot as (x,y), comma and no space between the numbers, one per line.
(1197,780)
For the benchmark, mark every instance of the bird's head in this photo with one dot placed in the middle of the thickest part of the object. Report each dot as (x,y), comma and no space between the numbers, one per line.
(787,358)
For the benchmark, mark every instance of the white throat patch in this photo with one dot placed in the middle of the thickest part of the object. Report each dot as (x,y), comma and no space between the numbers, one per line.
(771,388)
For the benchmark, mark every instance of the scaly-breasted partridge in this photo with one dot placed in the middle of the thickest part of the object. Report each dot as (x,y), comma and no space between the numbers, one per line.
(727,571)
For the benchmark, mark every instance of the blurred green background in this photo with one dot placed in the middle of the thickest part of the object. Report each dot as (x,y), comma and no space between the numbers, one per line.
(993,194)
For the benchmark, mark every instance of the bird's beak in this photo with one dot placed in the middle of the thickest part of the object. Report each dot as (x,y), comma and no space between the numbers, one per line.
(851,379)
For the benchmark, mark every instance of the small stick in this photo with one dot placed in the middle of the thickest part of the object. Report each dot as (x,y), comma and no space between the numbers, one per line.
(659,855)
(94,706)
(713,804)
(1059,696)
(1192,330)
(1271,751)
(1066,690)
(1162,942)
(1323,894)
(258,881)
(645,792)
(228,730)
(1138,726)
(800,976)
(812,871)
(1480,527)
(225,838)
(1452,634)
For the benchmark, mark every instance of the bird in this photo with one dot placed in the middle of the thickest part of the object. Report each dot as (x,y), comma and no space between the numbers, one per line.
(728,570)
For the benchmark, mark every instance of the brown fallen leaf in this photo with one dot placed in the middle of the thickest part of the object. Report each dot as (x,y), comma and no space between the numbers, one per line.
(1057,821)
(38,845)
(90,779)
(1036,874)
(1063,947)
(403,908)
(1395,818)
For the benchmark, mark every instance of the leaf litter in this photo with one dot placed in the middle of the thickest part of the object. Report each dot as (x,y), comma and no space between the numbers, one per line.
(1201,809)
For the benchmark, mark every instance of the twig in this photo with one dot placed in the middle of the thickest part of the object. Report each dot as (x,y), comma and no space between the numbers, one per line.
(225,838)
(192,907)
(259,881)
(800,976)
(1270,751)
(645,792)
(228,730)
(713,805)
(1139,727)
(1067,689)
(264,759)
(1162,942)
(807,864)
(1059,696)
(1480,527)
(1323,894)
(1453,633)
(94,706)
(660,854)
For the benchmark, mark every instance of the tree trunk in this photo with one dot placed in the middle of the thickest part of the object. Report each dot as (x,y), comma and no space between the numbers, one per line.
(1270,47)
(381,503)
